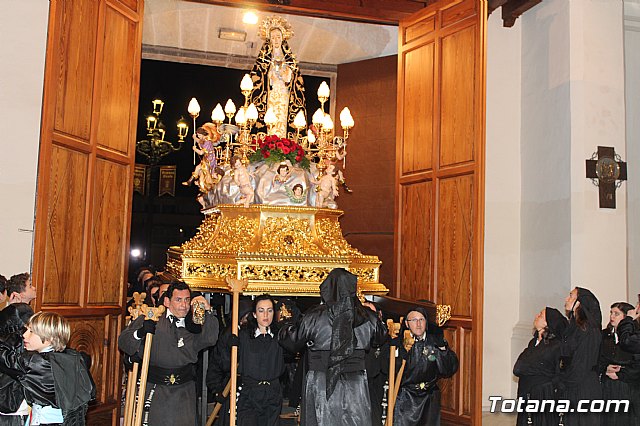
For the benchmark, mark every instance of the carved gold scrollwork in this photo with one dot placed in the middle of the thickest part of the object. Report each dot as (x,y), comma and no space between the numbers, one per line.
(365,274)
(215,271)
(235,234)
(280,249)
(330,235)
(206,234)
(289,236)
(294,273)
(443,314)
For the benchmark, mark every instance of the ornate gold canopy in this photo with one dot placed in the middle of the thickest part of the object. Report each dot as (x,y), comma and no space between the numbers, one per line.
(281,250)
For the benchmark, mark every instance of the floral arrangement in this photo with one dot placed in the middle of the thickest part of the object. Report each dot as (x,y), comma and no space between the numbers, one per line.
(273,149)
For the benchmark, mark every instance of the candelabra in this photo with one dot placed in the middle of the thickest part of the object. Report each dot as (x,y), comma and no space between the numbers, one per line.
(155,146)
(321,141)
(321,145)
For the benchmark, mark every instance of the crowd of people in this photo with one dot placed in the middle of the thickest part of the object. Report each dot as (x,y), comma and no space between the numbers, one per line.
(571,358)
(42,381)
(331,362)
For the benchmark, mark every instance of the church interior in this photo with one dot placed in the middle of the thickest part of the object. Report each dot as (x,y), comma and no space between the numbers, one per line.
(468,165)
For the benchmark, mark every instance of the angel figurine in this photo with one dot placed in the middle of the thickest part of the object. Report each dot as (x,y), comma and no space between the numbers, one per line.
(206,138)
(282,173)
(327,189)
(297,194)
(242,178)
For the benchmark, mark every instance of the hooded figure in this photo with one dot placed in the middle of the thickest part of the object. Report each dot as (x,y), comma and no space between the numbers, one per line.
(337,334)
(538,369)
(579,356)
(427,360)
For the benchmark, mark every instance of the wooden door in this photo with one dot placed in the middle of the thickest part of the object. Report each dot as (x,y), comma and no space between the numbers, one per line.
(369,89)
(84,190)
(439,213)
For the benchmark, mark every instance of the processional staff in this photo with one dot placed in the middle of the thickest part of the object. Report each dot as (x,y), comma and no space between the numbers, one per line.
(236,286)
(135,412)
(395,381)
(134,312)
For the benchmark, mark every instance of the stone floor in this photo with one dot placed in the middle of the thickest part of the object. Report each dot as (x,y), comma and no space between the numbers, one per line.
(490,419)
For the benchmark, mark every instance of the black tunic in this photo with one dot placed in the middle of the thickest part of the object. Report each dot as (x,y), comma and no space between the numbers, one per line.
(337,335)
(349,404)
(12,321)
(537,367)
(218,374)
(629,341)
(418,402)
(625,387)
(377,366)
(172,348)
(579,352)
(261,364)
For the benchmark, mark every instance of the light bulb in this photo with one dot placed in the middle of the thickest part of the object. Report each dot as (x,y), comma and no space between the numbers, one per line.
(299,122)
(252,112)
(318,117)
(217,116)
(246,84)
(194,107)
(323,90)
(230,107)
(240,117)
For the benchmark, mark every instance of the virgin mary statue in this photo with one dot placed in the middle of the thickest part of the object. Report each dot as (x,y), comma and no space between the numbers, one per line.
(277,82)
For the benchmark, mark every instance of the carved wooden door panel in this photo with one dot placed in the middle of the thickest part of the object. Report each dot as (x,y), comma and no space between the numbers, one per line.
(87,153)
(440,181)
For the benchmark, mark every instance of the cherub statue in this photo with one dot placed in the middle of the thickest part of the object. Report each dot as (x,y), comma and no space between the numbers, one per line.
(242,178)
(297,194)
(327,189)
(206,138)
(282,173)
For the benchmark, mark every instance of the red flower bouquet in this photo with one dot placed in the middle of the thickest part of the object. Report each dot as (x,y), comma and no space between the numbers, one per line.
(273,149)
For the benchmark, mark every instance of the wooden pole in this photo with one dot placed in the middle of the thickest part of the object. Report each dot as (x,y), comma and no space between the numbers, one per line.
(143,380)
(132,376)
(236,286)
(130,399)
(392,376)
(218,406)
(398,381)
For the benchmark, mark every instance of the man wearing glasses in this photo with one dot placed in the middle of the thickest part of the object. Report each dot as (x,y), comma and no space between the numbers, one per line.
(428,358)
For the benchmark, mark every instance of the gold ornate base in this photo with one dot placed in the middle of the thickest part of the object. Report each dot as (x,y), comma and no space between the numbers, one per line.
(281,250)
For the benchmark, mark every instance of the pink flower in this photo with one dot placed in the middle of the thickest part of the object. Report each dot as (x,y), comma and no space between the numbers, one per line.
(298,157)
(285,150)
(271,145)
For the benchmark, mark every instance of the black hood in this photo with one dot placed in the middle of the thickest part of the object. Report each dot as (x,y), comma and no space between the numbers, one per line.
(591,307)
(14,317)
(556,322)
(338,285)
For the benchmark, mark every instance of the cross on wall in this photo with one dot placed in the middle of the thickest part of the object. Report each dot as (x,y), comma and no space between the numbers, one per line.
(606,170)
